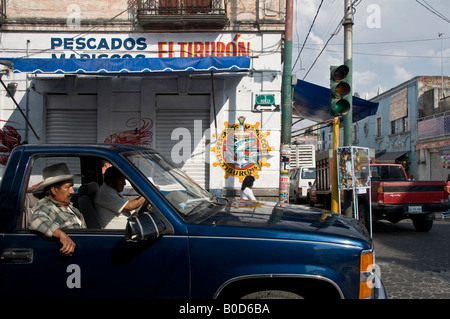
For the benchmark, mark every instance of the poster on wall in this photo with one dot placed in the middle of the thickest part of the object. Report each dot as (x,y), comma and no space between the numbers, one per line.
(399,105)
(9,139)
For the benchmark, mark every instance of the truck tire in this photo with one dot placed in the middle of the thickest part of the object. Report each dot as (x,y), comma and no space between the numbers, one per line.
(364,214)
(422,223)
(327,202)
(272,294)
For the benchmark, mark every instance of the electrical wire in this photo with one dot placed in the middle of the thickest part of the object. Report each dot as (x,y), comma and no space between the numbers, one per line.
(427,6)
(388,55)
(307,35)
(388,42)
(336,31)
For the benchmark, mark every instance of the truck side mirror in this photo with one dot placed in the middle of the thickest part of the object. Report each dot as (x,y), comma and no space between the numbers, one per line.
(143,227)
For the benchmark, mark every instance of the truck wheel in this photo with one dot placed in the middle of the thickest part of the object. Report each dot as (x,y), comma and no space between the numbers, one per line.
(422,223)
(327,202)
(272,294)
(364,215)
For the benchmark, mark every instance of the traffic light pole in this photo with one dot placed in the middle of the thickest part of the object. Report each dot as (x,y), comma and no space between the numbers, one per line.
(286,107)
(348,117)
(334,188)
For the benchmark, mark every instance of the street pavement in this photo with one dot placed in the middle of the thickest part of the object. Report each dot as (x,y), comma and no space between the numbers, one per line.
(414,265)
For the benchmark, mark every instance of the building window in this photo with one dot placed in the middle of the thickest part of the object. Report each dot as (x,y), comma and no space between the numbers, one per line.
(378,129)
(403,124)
(355,133)
(399,126)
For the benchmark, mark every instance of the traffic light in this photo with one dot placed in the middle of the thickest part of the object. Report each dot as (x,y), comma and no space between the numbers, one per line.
(340,90)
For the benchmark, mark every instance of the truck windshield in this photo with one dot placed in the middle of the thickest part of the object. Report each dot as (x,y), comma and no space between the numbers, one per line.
(309,173)
(388,172)
(177,187)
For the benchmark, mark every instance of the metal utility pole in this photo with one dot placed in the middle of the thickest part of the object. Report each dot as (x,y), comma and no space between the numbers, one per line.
(286,107)
(440,34)
(334,189)
(348,118)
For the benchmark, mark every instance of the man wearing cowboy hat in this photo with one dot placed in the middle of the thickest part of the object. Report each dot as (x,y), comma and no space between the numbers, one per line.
(54,211)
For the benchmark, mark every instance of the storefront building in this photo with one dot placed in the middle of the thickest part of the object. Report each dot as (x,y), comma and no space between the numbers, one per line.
(411,127)
(204,89)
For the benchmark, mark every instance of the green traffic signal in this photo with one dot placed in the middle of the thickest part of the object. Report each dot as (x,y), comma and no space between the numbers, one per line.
(340,107)
(340,90)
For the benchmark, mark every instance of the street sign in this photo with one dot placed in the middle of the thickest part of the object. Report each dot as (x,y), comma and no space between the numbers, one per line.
(265,99)
(272,108)
(265,102)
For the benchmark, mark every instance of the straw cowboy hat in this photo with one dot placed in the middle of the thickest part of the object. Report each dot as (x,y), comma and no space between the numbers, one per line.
(54,174)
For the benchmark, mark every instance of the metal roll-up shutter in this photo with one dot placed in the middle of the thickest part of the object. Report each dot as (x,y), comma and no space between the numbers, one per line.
(71,119)
(181,133)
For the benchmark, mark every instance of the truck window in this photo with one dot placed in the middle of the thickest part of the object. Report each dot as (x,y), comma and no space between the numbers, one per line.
(387,172)
(293,174)
(397,173)
(374,172)
(35,178)
(87,180)
(309,173)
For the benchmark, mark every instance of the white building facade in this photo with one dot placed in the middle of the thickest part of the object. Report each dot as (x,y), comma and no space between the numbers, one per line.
(217,125)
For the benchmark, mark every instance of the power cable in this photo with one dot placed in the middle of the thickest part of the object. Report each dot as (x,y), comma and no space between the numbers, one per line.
(427,6)
(389,55)
(389,42)
(307,35)
(336,31)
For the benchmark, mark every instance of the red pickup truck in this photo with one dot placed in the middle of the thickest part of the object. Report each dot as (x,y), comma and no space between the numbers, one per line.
(394,197)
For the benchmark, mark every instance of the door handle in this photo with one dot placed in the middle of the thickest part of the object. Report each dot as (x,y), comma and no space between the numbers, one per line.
(17,256)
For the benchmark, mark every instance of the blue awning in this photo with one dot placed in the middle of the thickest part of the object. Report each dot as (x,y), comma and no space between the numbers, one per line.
(313,103)
(126,65)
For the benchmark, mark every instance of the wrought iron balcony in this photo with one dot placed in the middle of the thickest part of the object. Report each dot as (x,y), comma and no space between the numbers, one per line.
(163,14)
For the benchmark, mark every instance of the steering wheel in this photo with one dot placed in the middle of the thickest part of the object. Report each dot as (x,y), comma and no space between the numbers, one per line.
(144,207)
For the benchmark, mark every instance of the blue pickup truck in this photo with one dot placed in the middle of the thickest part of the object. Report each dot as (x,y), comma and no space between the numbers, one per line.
(182,243)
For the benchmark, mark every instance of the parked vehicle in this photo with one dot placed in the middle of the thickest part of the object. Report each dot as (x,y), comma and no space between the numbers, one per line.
(183,243)
(300,179)
(393,196)
(311,196)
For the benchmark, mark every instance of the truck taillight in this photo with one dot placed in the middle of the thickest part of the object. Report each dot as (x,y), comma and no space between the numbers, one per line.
(380,195)
(299,190)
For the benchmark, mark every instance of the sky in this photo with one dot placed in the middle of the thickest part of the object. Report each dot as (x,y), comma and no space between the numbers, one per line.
(393,41)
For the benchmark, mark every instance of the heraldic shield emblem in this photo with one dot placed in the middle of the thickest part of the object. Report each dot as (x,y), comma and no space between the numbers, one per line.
(242,149)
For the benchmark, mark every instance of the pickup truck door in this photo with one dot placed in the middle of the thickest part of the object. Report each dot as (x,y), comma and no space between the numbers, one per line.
(104,265)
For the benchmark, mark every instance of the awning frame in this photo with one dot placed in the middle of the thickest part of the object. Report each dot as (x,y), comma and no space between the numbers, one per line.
(313,103)
(139,66)
(390,157)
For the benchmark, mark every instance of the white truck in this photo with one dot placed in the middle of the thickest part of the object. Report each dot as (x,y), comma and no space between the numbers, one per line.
(302,171)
